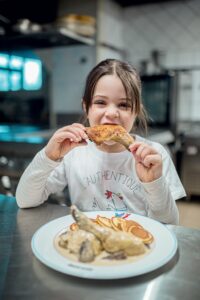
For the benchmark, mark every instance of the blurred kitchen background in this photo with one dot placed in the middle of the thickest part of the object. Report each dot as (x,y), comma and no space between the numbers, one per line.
(48,47)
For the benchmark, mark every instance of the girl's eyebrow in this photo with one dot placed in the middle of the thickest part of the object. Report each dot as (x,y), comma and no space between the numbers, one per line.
(102,96)
(125,99)
(120,99)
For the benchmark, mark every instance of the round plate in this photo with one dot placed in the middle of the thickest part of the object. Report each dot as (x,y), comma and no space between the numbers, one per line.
(164,248)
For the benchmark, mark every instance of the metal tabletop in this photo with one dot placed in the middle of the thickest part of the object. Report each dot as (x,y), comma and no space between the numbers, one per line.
(22,276)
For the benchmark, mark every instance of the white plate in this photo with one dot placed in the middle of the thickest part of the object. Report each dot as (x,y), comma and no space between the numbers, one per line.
(165,246)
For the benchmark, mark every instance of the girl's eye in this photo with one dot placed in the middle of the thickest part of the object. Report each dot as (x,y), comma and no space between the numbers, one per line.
(99,102)
(125,105)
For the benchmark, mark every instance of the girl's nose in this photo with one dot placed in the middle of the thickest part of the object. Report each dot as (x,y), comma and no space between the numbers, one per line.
(112,112)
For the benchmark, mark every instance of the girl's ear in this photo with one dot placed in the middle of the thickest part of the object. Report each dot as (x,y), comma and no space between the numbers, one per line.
(85,119)
(83,106)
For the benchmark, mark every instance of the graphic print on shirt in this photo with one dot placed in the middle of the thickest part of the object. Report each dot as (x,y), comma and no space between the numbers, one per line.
(112,188)
(115,201)
(95,204)
(100,177)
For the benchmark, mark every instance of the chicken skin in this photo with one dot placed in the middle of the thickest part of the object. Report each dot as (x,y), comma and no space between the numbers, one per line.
(104,133)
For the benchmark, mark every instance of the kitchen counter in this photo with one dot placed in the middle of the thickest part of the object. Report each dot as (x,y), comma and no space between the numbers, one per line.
(23,134)
(21,141)
(22,276)
(161,136)
(18,146)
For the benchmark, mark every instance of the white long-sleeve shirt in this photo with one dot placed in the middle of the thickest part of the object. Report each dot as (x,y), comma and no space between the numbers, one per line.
(103,181)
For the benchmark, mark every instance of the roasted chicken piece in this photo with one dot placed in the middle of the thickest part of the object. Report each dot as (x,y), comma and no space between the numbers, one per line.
(110,132)
(81,243)
(112,241)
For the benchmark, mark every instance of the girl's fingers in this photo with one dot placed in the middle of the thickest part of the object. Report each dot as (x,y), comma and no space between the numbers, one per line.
(135,146)
(141,149)
(153,159)
(61,136)
(145,151)
(76,129)
(74,125)
(145,154)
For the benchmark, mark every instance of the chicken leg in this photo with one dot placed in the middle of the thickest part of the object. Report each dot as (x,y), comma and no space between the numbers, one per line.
(112,241)
(110,132)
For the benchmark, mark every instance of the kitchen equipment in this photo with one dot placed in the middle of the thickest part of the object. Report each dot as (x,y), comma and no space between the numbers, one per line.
(190,162)
(80,24)
(159,94)
(25,26)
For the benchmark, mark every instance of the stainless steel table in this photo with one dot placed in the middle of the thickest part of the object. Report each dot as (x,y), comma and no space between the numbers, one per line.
(22,276)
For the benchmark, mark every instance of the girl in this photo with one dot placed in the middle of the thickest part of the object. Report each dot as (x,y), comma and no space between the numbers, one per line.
(106,177)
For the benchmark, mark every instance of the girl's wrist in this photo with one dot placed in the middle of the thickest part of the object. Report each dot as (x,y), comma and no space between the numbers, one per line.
(52,157)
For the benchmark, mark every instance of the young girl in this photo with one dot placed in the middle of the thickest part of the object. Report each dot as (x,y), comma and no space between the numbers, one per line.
(106,177)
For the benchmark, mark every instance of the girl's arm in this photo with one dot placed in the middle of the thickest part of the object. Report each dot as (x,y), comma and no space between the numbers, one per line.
(32,189)
(43,176)
(160,180)
(161,205)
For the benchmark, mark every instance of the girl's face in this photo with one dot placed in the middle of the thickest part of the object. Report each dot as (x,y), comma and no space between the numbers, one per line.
(109,104)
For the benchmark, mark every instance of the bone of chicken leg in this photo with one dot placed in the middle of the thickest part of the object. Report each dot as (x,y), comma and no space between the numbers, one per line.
(112,241)
(110,132)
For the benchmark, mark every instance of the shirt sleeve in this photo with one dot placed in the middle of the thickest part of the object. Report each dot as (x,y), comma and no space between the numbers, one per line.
(37,183)
(161,205)
(171,176)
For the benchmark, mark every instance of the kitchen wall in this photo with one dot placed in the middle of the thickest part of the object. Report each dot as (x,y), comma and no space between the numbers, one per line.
(110,39)
(131,33)
(173,29)
(69,67)
(170,28)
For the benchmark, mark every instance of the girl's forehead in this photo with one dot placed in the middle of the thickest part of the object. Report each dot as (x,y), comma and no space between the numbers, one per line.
(109,85)
(107,81)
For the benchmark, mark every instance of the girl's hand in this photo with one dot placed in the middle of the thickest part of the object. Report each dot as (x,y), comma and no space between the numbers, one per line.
(148,162)
(64,140)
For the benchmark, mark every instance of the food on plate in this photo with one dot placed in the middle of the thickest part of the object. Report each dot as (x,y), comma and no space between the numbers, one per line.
(82,243)
(120,224)
(112,241)
(141,233)
(103,221)
(103,238)
(109,132)
(117,223)
(129,223)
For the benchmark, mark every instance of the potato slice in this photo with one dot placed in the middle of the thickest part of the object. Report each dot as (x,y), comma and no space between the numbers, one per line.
(117,223)
(103,221)
(129,223)
(142,233)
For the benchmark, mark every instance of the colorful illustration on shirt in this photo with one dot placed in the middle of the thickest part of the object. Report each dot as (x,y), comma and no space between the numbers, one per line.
(122,215)
(115,201)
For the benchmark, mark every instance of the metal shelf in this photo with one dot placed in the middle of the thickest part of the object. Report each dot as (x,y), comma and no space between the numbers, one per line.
(46,39)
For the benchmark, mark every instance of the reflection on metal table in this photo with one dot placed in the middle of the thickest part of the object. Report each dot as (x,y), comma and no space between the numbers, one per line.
(22,276)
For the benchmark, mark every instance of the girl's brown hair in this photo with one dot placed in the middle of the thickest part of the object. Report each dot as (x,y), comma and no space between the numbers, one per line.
(130,80)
